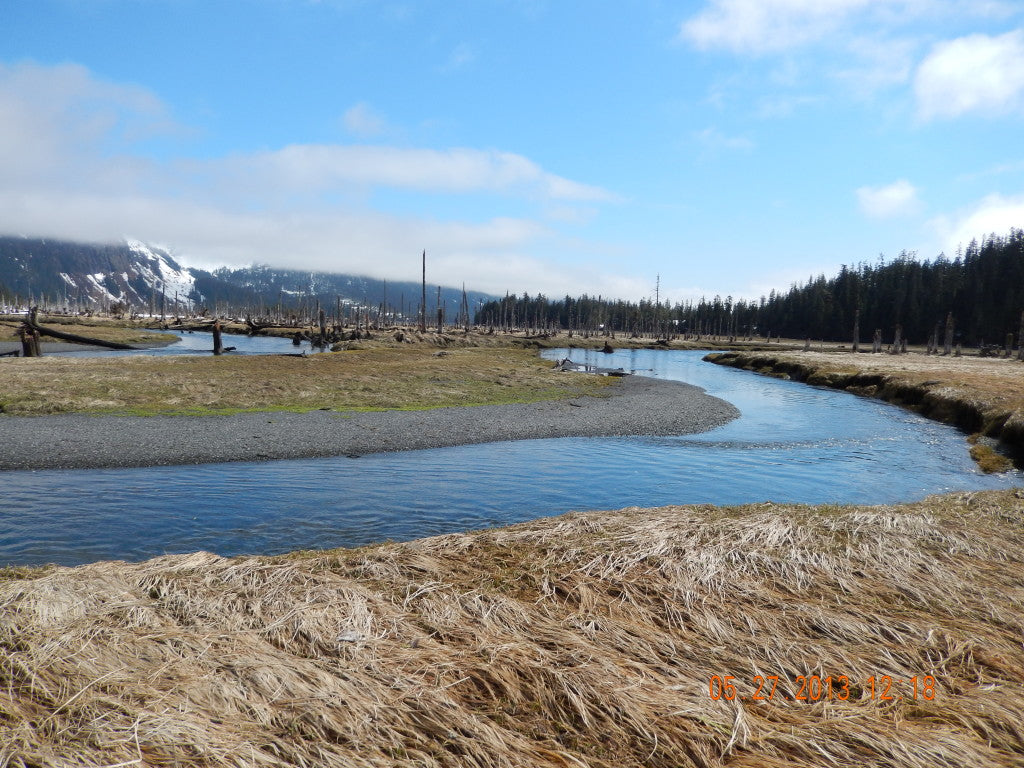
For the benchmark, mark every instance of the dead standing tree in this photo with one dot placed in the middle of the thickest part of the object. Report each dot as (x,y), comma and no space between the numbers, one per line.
(440,312)
(423,300)
(897,343)
(29,342)
(1020,339)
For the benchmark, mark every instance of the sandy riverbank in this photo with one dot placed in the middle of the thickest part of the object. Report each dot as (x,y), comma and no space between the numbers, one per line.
(634,406)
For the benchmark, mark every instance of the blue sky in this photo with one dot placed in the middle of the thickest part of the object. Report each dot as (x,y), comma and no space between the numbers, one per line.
(728,146)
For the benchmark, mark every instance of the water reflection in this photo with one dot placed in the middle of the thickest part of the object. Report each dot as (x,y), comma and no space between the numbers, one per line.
(199,343)
(792,443)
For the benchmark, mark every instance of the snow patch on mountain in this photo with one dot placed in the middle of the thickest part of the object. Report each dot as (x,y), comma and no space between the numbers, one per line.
(99,285)
(162,273)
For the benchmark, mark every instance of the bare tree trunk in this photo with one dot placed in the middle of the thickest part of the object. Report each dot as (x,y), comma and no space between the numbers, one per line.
(218,347)
(856,331)
(947,347)
(28,346)
(897,344)
(35,331)
(1020,339)
(423,303)
(440,312)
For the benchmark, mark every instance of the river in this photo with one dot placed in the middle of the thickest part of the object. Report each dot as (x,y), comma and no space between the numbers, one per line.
(793,443)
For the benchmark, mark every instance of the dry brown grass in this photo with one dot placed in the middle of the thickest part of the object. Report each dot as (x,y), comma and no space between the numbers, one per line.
(982,396)
(406,377)
(1000,382)
(583,640)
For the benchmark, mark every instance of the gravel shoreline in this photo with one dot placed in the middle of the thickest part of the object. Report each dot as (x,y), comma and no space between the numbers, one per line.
(637,406)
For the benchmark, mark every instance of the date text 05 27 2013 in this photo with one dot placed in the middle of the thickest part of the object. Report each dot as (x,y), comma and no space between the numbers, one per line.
(811,688)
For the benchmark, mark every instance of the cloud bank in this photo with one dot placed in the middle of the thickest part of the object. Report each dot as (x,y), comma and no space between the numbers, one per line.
(977,73)
(993,215)
(73,168)
(770,26)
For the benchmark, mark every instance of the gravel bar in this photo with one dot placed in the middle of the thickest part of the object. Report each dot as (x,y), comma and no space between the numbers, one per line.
(636,406)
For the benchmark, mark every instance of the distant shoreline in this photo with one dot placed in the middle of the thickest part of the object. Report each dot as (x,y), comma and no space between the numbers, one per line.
(52,347)
(635,406)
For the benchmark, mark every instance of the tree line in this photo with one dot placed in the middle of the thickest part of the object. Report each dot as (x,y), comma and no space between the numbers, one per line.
(982,287)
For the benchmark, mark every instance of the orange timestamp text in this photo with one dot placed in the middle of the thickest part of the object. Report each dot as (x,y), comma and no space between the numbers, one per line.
(810,688)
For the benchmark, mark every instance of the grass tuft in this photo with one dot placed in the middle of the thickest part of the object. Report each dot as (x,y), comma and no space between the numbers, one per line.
(582,640)
(407,378)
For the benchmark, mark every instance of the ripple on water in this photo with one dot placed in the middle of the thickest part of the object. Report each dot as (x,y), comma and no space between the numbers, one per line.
(792,443)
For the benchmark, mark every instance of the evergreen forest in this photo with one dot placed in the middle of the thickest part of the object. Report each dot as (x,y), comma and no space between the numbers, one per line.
(982,287)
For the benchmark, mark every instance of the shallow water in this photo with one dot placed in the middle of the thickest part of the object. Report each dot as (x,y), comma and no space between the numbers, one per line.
(200,343)
(793,443)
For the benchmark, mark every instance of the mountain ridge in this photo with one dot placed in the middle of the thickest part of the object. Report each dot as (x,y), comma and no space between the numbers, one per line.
(133,274)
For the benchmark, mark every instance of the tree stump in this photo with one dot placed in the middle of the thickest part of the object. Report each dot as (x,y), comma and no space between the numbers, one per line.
(28,343)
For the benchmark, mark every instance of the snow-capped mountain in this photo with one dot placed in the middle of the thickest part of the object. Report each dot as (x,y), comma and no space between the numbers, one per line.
(157,268)
(134,274)
(59,273)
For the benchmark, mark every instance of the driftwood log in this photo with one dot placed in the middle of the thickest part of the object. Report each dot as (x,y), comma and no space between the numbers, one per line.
(43,331)
(256,327)
(205,325)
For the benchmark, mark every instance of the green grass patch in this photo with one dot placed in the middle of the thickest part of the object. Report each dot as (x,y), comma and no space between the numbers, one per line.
(411,378)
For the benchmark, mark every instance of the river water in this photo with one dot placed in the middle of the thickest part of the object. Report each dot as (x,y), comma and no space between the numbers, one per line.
(197,343)
(793,443)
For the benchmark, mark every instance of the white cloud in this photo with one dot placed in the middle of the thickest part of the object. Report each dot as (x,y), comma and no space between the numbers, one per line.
(977,73)
(714,139)
(896,199)
(994,214)
(763,26)
(53,117)
(999,169)
(362,120)
(776,106)
(486,253)
(323,167)
(69,169)
(877,63)
(772,26)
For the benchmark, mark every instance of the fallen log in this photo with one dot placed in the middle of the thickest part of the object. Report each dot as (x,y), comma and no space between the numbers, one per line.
(76,338)
(204,326)
(256,327)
